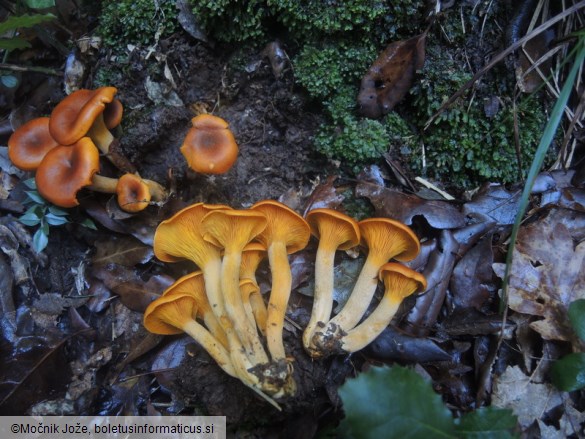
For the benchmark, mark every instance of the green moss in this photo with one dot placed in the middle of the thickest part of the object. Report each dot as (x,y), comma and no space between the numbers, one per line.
(136,22)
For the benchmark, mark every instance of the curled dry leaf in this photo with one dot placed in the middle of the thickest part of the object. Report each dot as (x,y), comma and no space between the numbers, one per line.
(495,201)
(546,276)
(124,250)
(391,76)
(324,195)
(394,204)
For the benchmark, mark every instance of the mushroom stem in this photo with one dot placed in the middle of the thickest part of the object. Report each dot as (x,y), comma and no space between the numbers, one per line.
(253,303)
(100,134)
(217,351)
(109,185)
(323,295)
(281,288)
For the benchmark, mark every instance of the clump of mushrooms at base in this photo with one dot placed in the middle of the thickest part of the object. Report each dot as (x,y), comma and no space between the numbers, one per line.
(220,304)
(244,335)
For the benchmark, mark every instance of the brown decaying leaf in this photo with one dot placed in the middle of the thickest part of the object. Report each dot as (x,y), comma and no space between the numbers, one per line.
(495,201)
(7,309)
(394,204)
(324,196)
(546,276)
(391,76)
(134,293)
(124,250)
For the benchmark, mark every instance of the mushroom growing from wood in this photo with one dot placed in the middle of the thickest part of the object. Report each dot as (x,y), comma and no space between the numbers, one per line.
(29,144)
(385,239)
(286,232)
(334,230)
(399,282)
(209,146)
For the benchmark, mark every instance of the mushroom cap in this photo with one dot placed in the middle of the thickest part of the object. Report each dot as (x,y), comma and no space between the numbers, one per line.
(168,314)
(72,118)
(193,284)
(334,228)
(209,146)
(232,228)
(252,255)
(400,280)
(133,193)
(65,170)
(389,238)
(180,236)
(29,143)
(284,225)
(113,114)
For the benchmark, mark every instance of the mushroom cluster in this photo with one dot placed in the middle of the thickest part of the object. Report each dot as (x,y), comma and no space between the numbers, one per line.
(64,151)
(241,333)
(221,307)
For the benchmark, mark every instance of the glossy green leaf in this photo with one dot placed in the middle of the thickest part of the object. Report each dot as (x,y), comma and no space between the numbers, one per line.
(391,403)
(36,197)
(58,211)
(40,240)
(577,317)
(568,373)
(29,219)
(88,224)
(30,183)
(487,423)
(55,220)
(12,44)
(27,20)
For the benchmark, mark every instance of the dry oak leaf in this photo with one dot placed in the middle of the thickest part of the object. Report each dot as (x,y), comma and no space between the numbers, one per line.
(547,275)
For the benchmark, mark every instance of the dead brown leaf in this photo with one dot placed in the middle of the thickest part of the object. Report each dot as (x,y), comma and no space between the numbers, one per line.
(124,250)
(546,276)
(391,76)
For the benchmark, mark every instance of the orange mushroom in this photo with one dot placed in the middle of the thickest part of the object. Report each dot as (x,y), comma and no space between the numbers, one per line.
(385,239)
(133,193)
(400,282)
(286,232)
(210,146)
(89,113)
(334,230)
(194,285)
(231,230)
(252,255)
(173,314)
(29,144)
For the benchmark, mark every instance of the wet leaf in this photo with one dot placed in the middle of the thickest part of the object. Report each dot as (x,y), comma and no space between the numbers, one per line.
(134,293)
(495,201)
(546,276)
(408,407)
(391,76)
(577,317)
(394,204)
(324,196)
(487,422)
(7,309)
(124,250)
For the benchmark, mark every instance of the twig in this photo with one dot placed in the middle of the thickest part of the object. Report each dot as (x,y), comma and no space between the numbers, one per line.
(17,68)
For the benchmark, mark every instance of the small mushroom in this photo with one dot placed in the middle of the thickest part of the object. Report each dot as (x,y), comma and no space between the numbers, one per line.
(210,146)
(231,230)
(133,193)
(335,231)
(256,316)
(286,232)
(173,314)
(194,285)
(29,144)
(89,113)
(252,255)
(400,282)
(385,239)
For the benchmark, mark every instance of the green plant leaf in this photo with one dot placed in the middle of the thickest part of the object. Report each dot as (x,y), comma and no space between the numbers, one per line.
(40,4)
(568,373)
(36,197)
(40,240)
(88,224)
(58,211)
(30,183)
(55,220)
(30,219)
(26,20)
(393,403)
(13,43)
(487,423)
(577,317)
